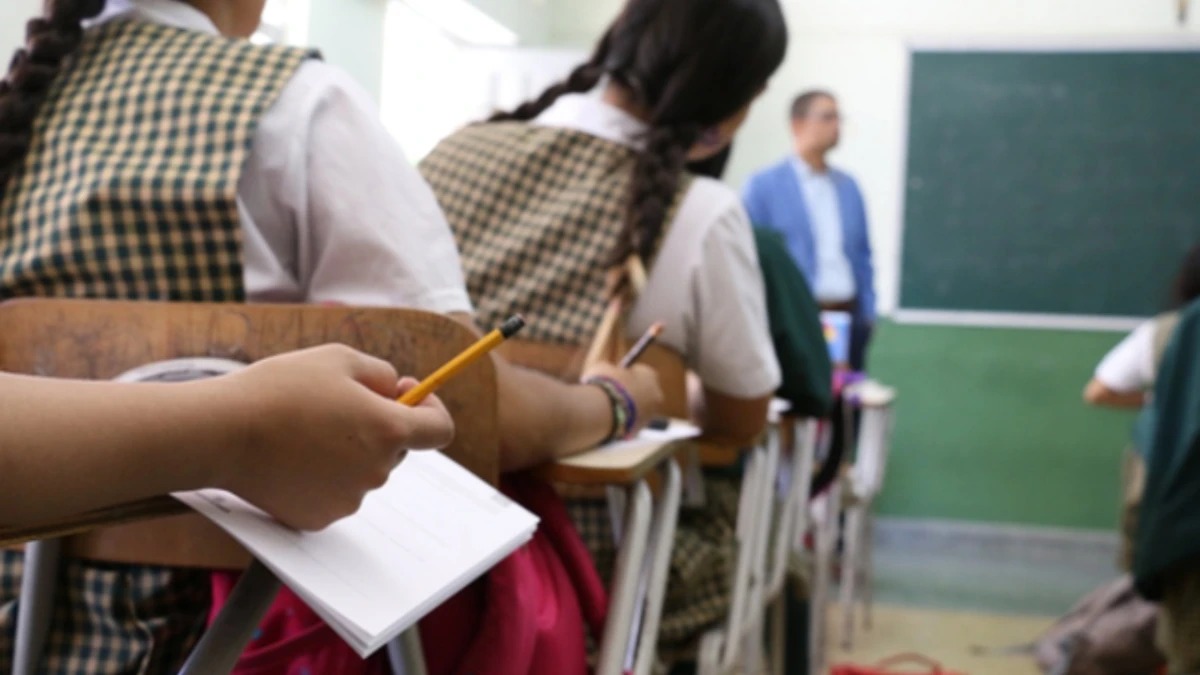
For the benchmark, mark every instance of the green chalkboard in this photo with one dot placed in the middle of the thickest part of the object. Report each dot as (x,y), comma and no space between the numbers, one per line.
(1050,182)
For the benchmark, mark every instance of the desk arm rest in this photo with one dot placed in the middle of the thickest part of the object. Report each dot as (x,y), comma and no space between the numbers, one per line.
(146,509)
(625,464)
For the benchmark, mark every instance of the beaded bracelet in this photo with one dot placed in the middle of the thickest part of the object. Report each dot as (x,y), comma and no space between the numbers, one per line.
(617,405)
(625,411)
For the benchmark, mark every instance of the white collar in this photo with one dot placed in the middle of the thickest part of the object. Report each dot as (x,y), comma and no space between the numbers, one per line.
(590,114)
(805,171)
(163,12)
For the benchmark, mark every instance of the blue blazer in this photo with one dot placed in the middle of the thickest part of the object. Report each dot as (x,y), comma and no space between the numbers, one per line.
(774,200)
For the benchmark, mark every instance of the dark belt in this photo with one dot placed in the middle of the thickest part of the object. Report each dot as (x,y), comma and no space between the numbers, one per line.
(847,306)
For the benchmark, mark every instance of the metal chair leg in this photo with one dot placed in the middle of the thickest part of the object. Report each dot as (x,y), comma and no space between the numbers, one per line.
(658,559)
(407,655)
(779,635)
(36,603)
(223,642)
(630,557)
(850,573)
(868,573)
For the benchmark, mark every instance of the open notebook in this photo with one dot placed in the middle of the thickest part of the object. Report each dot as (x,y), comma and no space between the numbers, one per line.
(429,531)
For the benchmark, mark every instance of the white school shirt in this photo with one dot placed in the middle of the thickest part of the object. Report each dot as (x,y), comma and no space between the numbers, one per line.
(330,209)
(705,285)
(1129,367)
(834,280)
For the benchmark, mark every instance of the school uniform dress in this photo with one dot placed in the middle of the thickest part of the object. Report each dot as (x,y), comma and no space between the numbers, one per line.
(170,163)
(1133,366)
(1167,557)
(537,209)
(796,329)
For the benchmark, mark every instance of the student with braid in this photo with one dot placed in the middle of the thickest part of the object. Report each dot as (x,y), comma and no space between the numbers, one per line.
(550,202)
(148,151)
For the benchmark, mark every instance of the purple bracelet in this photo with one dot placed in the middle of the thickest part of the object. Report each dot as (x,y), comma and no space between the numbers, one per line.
(609,385)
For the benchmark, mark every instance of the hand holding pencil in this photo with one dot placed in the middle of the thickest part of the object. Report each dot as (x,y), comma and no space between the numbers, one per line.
(633,388)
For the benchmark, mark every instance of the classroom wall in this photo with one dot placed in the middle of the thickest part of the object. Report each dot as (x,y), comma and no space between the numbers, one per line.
(858,49)
(349,34)
(990,427)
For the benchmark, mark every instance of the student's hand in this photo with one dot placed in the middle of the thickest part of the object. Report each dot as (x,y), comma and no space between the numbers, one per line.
(641,382)
(323,429)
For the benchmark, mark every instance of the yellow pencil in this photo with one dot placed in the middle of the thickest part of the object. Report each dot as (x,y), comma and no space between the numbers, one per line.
(485,344)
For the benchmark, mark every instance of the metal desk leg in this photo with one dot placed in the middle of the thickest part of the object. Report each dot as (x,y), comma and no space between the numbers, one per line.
(36,603)
(630,557)
(234,627)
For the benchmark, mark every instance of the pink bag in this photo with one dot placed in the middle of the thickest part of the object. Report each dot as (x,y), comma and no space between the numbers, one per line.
(531,614)
(528,616)
(293,640)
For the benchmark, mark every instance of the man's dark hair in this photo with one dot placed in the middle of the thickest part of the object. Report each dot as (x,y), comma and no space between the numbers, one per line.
(804,102)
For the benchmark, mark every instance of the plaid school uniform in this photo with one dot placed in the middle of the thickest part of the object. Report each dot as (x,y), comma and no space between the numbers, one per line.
(129,191)
(537,213)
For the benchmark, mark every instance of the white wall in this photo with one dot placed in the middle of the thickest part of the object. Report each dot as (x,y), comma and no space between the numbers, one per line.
(13,15)
(859,50)
(349,32)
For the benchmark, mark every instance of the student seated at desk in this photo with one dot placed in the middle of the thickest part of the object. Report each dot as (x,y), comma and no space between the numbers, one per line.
(1124,379)
(805,367)
(150,157)
(1167,557)
(1127,373)
(553,202)
(793,313)
(114,436)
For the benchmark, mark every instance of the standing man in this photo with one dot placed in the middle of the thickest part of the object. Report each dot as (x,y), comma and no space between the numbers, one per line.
(820,212)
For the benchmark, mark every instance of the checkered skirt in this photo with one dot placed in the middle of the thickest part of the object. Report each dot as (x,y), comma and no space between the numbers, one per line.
(111,619)
(702,563)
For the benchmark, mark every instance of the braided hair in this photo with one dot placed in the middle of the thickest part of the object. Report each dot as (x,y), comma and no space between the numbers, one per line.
(690,65)
(49,42)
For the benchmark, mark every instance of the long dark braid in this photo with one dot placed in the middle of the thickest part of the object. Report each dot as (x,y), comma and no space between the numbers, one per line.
(656,177)
(49,42)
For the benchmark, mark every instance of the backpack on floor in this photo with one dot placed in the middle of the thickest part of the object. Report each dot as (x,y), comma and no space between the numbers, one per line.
(1109,632)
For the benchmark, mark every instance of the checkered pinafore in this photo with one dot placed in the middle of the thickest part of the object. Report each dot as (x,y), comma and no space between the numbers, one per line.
(537,212)
(129,191)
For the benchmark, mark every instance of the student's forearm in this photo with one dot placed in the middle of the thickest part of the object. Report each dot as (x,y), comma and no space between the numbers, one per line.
(68,446)
(729,419)
(1098,393)
(542,418)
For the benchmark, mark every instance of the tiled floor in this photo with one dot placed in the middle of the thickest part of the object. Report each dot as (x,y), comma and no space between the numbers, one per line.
(946,636)
(943,593)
